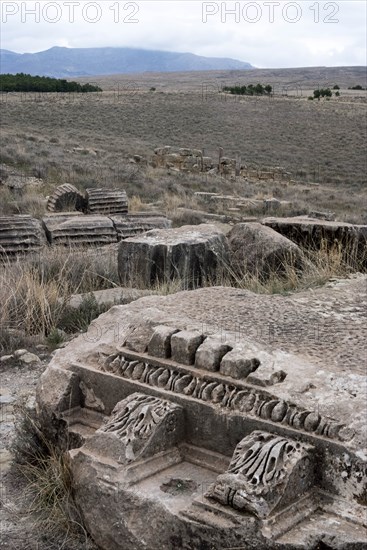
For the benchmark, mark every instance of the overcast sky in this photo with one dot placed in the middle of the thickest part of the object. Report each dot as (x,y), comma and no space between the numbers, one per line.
(265,33)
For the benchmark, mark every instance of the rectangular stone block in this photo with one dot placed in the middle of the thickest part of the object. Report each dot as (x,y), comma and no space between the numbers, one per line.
(210,354)
(184,345)
(236,365)
(160,342)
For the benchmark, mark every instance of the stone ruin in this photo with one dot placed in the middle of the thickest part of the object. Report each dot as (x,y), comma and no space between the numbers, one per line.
(24,235)
(67,198)
(183,159)
(316,233)
(106,201)
(98,218)
(19,235)
(198,255)
(194,254)
(183,435)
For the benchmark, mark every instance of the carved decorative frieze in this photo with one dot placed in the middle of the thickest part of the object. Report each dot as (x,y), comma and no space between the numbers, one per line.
(144,425)
(247,399)
(266,473)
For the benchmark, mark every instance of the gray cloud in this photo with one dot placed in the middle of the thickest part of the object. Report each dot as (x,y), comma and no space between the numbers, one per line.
(265,33)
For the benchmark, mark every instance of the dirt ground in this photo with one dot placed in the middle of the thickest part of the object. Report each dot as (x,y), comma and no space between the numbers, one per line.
(18,530)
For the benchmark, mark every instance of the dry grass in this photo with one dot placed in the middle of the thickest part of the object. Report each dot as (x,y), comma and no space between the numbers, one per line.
(319,142)
(47,494)
(318,267)
(34,293)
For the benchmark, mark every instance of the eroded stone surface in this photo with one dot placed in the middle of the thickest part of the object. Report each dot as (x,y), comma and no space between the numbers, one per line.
(193,254)
(265,472)
(256,248)
(66,197)
(318,234)
(20,235)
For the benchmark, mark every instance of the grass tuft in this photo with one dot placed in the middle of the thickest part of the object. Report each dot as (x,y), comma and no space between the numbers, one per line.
(48,485)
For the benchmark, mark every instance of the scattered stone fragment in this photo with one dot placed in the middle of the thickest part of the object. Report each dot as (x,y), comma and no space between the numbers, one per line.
(29,358)
(236,365)
(6,399)
(316,233)
(79,230)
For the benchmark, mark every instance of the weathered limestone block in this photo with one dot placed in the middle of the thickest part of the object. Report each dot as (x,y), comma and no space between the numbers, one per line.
(315,233)
(267,374)
(160,343)
(138,337)
(266,472)
(140,426)
(90,230)
(134,224)
(106,201)
(192,254)
(184,152)
(161,151)
(20,235)
(210,353)
(66,198)
(258,249)
(184,345)
(236,365)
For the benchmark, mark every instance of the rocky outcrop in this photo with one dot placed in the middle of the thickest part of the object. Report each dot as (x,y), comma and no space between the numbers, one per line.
(78,230)
(106,201)
(20,235)
(257,249)
(349,240)
(66,198)
(192,254)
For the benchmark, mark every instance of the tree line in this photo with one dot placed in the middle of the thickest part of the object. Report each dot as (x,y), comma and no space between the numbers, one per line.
(259,89)
(21,82)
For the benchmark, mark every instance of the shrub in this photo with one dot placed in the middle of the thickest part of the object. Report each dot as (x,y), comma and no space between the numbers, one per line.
(78,319)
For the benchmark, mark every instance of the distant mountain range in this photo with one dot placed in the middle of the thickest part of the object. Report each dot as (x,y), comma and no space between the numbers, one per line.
(73,62)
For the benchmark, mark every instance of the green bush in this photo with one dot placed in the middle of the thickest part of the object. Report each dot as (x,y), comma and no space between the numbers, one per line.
(78,319)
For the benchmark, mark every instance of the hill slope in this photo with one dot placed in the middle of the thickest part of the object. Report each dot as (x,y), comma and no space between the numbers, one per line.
(73,62)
